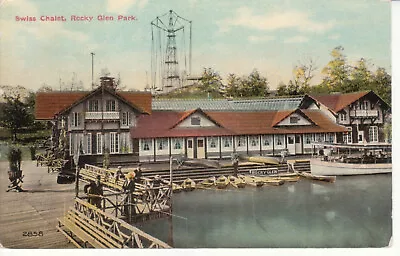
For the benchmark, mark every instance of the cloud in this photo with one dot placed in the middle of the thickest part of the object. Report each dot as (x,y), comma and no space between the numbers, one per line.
(122,6)
(296,39)
(259,39)
(245,17)
(334,36)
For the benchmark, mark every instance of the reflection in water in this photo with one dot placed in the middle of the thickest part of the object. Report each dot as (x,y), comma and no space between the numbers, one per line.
(353,212)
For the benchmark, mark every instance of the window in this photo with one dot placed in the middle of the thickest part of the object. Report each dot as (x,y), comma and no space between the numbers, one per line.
(373,134)
(319,137)
(195,120)
(99,143)
(110,105)
(290,140)
(294,119)
(364,105)
(190,143)
(241,141)
(125,143)
(76,119)
(331,137)
(254,141)
(347,136)
(343,116)
(279,140)
(212,142)
(266,140)
(200,143)
(126,119)
(93,105)
(114,142)
(177,143)
(146,144)
(89,143)
(162,144)
(227,142)
(308,138)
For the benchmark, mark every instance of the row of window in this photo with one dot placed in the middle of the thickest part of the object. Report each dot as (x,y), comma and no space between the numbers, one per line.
(95,143)
(241,141)
(372,132)
(93,106)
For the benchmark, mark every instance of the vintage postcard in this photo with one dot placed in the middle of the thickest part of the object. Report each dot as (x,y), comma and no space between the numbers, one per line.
(196,124)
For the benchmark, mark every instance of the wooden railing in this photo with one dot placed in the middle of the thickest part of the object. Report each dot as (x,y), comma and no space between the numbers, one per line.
(102,115)
(86,224)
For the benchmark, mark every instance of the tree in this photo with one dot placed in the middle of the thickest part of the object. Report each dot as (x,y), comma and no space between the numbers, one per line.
(336,71)
(16,115)
(382,85)
(254,85)
(45,88)
(233,86)
(211,81)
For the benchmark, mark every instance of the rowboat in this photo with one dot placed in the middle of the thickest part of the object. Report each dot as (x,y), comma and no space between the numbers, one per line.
(252,180)
(317,177)
(207,182)
(236,182)
(176,188)
(260,159)
(188,185)
(272,182)
(293,178)
(221,182)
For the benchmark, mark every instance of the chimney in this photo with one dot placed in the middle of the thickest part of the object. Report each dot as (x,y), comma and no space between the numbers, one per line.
(108,82)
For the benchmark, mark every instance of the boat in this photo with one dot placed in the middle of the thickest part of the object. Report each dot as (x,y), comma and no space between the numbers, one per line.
(176,188)
(260,159)
(236,182)
(288,179)
(252,180)
(317,177)
(354,159)
(221,182)
(272,181)
(201,163)
(206,182)
(188,184)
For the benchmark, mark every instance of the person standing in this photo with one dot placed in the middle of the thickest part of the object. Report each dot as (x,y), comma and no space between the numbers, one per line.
(94,190)
(138,172)
(129,188)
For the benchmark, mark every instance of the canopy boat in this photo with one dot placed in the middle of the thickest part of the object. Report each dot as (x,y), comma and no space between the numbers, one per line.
(352,159)
(237,182)
(221,182)
(188,184)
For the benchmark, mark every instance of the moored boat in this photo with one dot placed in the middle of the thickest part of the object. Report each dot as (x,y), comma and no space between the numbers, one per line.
(209,182)
(188,184)
(317,177)
(221,182)
(272,181)
(236,182)
(252,180)
(176,188)
(373,159)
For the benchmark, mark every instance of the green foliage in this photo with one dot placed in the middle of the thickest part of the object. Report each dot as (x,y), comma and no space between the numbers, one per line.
(16,115)
(14,159)
(211,81)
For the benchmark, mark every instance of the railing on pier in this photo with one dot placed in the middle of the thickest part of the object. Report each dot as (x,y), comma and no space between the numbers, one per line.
(130,236)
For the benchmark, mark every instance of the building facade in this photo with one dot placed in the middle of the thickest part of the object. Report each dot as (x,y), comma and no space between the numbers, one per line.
(134,127)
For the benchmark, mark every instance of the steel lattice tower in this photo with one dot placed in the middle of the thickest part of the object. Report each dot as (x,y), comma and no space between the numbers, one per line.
(166,71)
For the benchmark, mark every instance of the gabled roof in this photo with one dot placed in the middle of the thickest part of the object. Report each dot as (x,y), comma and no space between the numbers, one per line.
(161,124)
(281,115)
(48,104)
(188,113)
(337,102)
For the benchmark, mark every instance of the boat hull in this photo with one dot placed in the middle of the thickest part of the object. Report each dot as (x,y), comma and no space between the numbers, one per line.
(319,167)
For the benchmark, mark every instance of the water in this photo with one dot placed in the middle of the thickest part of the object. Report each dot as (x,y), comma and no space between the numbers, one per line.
(353,212)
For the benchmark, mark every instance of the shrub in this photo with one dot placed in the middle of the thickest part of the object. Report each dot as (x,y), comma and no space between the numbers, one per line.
(33,152)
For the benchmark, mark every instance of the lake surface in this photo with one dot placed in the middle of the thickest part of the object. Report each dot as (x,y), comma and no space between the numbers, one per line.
(352,212)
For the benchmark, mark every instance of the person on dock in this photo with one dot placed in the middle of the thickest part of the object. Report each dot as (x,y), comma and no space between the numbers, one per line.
(94,190)
(129,187)
(138,172)
(119,174)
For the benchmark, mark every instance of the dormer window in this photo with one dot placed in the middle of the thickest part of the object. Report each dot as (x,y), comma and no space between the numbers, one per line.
(343,116)
(195,120)
(93,106)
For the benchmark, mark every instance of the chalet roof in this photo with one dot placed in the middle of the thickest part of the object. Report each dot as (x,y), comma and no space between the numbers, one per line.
(227,105)
(159,123)
(337,102)
(48,104)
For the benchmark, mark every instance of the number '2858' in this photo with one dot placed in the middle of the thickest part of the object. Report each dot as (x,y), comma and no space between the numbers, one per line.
(32,233)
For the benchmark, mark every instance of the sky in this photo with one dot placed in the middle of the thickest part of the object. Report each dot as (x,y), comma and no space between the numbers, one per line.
(230,36)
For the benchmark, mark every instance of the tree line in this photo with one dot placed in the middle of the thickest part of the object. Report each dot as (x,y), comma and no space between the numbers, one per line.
(337,76)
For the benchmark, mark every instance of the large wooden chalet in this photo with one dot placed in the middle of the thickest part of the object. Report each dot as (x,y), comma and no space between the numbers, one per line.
(133,127)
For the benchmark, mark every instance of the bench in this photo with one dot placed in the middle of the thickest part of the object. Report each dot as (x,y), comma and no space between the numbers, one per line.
(83,232)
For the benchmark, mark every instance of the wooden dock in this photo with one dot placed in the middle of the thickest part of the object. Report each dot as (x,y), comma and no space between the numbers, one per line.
(35,210)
